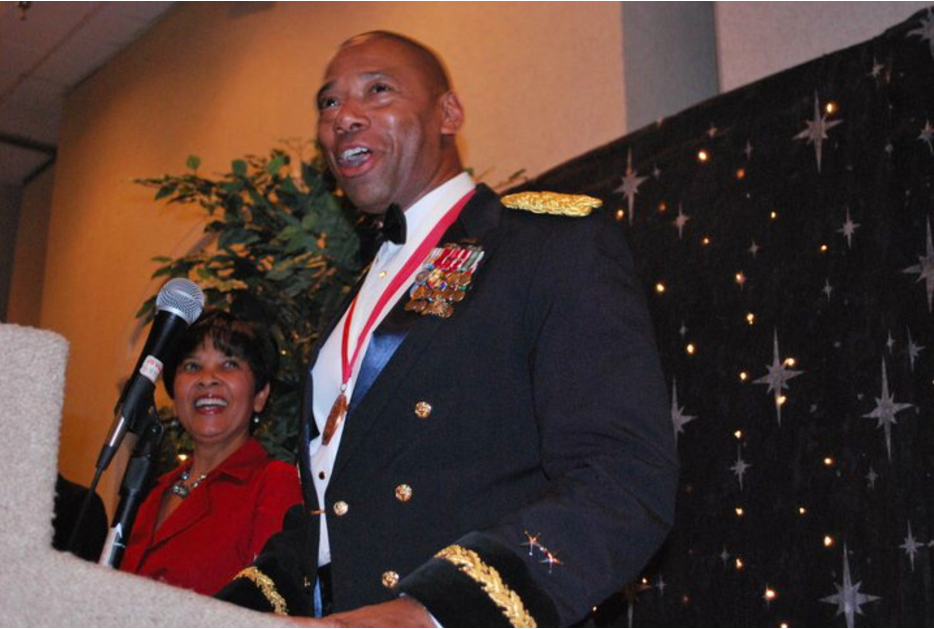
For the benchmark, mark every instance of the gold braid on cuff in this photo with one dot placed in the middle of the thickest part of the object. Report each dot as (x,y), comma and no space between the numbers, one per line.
(469,562)
(267,587)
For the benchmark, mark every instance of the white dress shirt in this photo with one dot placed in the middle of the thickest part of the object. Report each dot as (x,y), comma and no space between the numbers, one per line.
(326,375)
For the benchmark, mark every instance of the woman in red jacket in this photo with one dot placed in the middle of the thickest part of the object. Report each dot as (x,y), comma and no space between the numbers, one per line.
(207,519)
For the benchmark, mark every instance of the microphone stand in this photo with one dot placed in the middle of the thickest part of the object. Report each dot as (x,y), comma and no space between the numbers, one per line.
(132,488)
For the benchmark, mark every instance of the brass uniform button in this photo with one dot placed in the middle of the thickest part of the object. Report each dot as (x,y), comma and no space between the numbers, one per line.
(340,508)
(403,493)
(423,409)
(390,579)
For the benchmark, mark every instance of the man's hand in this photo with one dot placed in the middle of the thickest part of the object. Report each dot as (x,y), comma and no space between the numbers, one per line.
(402,612)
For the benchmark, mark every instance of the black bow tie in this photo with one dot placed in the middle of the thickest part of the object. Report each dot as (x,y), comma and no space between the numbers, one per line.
(393,227)
(388,227)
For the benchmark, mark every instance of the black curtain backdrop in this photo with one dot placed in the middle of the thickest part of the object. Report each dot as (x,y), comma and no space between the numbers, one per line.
(783,234)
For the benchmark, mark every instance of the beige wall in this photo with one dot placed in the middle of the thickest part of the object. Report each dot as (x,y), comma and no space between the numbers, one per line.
(25,301)
(756,39)
(541,82)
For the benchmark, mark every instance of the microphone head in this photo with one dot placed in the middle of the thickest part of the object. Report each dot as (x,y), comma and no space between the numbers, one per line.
(181,297)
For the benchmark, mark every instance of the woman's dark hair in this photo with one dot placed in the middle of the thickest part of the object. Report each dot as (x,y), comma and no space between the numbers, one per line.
(231,336)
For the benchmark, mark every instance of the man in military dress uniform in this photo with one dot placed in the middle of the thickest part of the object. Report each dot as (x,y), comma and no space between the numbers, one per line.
(485,430)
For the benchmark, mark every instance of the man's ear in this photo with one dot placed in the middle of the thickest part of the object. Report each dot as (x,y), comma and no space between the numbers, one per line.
(452,113)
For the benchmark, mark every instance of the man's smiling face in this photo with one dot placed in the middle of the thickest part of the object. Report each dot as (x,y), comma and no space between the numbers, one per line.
(386,125)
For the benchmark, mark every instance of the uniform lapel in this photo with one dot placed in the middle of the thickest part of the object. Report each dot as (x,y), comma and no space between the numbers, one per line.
(403,336)
(308,429)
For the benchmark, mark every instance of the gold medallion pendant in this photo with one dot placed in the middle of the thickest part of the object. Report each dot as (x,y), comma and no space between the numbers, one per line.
(335,417)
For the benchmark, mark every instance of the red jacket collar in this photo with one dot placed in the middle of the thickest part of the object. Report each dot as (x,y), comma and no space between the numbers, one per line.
(238,465)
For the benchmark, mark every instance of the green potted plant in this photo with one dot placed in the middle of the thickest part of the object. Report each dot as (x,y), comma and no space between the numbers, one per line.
(282,250)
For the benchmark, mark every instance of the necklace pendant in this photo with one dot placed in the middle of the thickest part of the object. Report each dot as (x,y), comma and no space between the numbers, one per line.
(335,417)
(181,488)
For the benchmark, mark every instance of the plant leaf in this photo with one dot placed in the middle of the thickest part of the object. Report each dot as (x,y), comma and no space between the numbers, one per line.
(276,164)
(166,190)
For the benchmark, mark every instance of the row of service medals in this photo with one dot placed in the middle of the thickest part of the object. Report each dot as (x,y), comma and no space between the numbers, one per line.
(444,279)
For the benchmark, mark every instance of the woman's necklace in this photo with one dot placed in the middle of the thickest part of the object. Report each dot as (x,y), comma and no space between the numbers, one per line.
(182,488)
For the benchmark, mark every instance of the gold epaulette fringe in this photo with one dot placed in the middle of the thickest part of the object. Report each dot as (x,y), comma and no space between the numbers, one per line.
(552,203)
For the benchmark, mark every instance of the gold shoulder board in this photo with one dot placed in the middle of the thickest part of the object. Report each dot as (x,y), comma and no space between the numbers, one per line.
(552,203)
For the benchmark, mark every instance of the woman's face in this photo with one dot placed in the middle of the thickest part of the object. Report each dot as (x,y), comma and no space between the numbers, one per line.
(214,397)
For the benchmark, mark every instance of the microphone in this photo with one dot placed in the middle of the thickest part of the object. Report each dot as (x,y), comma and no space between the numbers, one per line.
(178,305)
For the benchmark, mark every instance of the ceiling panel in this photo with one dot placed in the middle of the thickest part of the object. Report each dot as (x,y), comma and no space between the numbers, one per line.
(112,25)
(18,164)
(148,11)
(74,60)
(38,93)
(46,22)
(41,126)
(47,54)
(14,61)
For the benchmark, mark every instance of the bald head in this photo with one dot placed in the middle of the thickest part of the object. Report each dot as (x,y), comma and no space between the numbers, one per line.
(426,59)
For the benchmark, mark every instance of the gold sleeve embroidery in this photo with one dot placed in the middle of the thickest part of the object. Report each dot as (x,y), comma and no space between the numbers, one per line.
(267,587)
(469,562)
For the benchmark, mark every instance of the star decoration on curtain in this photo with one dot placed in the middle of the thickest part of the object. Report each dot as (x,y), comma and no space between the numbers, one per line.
(848,599)
(680,221)
(911,546)
(678,418)
(926,31)
(740,466)
(777,378)
(885,411)
(551,559)
(630,185)
(914,350)
(925,267)
(879,170)
(848,229)
(531,542)
(927,135)
(816,131)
